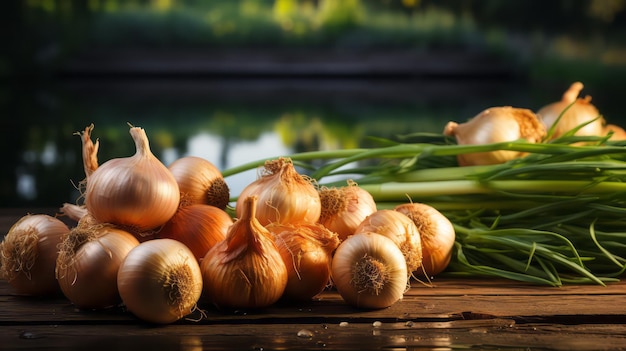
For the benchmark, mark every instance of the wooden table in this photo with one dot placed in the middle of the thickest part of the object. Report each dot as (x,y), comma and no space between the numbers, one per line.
(448,314)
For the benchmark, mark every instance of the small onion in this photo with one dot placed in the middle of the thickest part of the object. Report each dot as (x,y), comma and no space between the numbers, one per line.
(138,192)
(400,229)
(200,182)
(493,125)
(284,195)
(580,112)
(160,281)
(28,254)
(88,261)
(245,270)
(436,233)
(198,226)
(307,252)
(369,271)
(344,208)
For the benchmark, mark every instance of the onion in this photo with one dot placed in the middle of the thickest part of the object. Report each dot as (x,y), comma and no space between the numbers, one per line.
(344,208)
(89,258)
(284,195)
(198,226)
(160,281)
(493,125)
(200,182)
(138,192)
(245,270)
(369,271)
(28,254)
(436,233)
(580,112)
(401,230)
(307,252)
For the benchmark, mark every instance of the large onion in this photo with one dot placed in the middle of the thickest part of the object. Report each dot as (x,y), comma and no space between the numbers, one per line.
(284,195)
(493,125)
(138,192)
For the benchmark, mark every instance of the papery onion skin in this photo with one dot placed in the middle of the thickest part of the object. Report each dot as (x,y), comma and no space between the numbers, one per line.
(581,111)
(344,208)
(200,182)
(306,250)
(436,233)
(198,226)
(88,263)
(493,125)
(284,195)
(28,254)
(160,281)
(137,192)
(246,269)
(400,229)
(369,271)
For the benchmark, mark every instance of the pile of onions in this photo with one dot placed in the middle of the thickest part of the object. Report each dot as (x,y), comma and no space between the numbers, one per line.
(344,208)
(284,195)
(369,271)
(200,182)
(493,125)
(136,192)
(198,226)
(306,250)
(245,270)
(28,254)
(436,233)
(575,112)
(401,230)
(160,281)
(89,259)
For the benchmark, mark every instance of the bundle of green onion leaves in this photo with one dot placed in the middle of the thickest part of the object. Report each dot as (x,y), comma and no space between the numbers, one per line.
(553,217)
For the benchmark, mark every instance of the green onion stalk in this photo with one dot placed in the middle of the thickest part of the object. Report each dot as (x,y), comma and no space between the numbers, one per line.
(553,217)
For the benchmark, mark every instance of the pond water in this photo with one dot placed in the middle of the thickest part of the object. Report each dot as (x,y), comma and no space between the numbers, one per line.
(228,122)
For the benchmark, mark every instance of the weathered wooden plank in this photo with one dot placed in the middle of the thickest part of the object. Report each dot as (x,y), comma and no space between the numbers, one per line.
(492,334)
(439,305)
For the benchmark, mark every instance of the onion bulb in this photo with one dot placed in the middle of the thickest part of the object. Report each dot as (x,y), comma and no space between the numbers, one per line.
(284,195)
(138,192)
(401,230)
(369,271)
(200,182)
(436,233)
(198,226)
(493,125)
(580,112)
(245,270)
(28,254)
(306,250)
(344,208)
(88,261)
(160,281)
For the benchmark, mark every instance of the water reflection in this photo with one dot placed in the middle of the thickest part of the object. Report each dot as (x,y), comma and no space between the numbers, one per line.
(227,122)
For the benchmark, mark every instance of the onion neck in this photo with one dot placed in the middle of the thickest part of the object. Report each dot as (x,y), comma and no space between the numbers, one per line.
(141,141)
(244,233)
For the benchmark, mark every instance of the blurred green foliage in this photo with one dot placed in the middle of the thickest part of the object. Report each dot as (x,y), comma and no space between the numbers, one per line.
(49,31)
